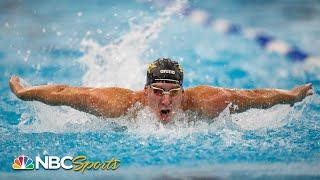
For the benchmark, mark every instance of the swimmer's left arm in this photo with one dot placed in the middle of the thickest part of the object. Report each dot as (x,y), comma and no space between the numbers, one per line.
(210,101)
(266,98)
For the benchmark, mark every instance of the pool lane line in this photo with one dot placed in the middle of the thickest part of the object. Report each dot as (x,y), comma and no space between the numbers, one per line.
(265,41)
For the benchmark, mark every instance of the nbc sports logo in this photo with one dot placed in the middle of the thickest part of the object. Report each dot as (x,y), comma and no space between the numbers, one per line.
(23,162)
(79,163)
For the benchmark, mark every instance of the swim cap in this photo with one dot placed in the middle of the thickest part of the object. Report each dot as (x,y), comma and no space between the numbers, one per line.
(165,69)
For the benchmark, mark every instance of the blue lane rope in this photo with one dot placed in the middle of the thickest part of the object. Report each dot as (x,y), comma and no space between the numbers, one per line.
(264,40)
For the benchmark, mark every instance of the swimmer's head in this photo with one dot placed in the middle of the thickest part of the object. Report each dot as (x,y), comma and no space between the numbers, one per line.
(163,90)
(164,70)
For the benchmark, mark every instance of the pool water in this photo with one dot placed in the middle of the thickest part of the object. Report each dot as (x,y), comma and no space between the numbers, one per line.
(110,43)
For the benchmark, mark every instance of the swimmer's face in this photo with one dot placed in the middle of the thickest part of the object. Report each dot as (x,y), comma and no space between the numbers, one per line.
(164,99)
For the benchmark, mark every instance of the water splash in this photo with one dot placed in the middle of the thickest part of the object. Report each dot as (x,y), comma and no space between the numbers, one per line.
(115,64)
(121,62)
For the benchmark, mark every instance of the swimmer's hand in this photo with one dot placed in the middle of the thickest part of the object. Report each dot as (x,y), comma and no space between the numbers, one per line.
(16,86)
(301,92)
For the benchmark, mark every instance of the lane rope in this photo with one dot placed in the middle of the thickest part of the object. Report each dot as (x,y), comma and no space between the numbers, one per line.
(264,40)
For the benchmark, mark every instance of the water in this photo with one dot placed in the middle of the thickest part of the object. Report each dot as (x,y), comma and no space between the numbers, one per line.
(110,43)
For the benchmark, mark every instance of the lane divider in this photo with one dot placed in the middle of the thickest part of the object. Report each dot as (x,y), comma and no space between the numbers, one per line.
(265,41)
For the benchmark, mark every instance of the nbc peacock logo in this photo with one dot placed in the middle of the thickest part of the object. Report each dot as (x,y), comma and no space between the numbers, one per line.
(23,163)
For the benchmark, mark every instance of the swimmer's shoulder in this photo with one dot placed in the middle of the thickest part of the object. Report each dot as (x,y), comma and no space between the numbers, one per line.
(132,97)
(195,96)
(202,89)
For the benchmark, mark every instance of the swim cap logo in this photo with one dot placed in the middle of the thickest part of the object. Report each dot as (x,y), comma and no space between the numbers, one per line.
(180,68)
(23,163)
(151,66)
(166,71)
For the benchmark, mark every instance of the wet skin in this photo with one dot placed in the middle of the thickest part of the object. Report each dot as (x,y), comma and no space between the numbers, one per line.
(164,106)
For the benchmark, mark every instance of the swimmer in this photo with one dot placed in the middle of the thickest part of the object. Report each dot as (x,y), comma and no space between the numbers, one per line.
(163,93)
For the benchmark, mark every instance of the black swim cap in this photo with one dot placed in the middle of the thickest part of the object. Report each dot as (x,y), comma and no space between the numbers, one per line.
(165,69)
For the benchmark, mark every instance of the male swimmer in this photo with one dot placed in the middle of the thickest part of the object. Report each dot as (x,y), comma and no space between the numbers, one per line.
(163,94)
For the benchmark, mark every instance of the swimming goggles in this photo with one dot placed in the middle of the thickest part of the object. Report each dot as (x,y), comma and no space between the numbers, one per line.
(160,92)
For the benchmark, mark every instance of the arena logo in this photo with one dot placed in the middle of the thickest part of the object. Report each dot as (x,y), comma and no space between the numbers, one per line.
(167,71)
(79,163)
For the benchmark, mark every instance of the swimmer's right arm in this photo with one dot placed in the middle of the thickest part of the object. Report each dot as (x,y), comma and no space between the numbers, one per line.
(106,102)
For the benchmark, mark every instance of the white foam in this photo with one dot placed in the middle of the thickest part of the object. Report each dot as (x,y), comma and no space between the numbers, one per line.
(53,119)
(253,119)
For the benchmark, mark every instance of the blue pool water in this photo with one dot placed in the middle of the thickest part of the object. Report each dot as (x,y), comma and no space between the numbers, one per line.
(109,43)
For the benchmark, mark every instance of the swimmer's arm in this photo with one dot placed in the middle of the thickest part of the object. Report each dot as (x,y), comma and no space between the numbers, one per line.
(266,98)
(106,102)
(211,101)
